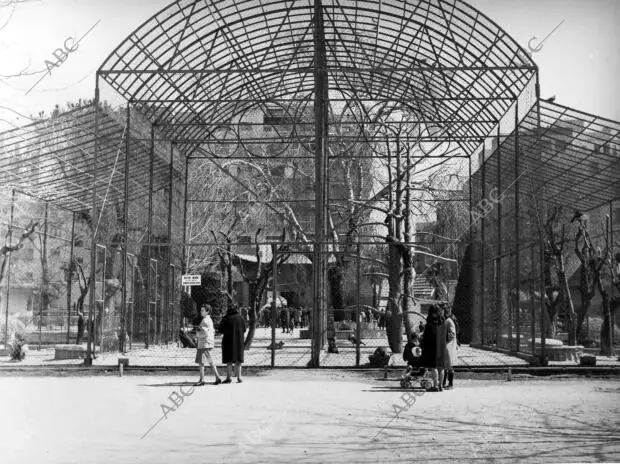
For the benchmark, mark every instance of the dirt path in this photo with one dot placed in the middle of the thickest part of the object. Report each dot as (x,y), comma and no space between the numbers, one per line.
(306,417)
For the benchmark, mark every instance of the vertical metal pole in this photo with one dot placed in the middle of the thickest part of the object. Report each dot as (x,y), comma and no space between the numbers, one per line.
(168,298)
(471,201)
(611,257)
(543,348)
(93,252)
(517,231)
(321,182)
(123,329)
(70,277)
(133,300)
(8,275)
(103,295)
(498,260)
(149,246)
(185,188)
(610,329)
(274,305)
(483,249)
(44,290)
(532,307)
(184,265)
(358,332)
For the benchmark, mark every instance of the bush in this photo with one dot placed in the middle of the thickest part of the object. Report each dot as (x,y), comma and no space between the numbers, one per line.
(17,348)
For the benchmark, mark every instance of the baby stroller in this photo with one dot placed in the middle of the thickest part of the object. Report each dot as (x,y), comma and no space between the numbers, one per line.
(421,375)
(415,371)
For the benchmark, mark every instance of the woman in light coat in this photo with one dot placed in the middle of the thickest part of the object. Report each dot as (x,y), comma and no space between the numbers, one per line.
(451,349)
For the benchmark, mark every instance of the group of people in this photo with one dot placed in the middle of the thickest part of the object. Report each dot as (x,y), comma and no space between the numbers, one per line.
(232,327)
(436,348)
(288,318)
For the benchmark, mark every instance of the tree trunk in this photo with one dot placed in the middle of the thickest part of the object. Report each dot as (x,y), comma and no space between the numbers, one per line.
(249,338)
(395,319)
(407,284)
(606,328)
(581,317)
(568,300)
(257,291)
(551,318)
(336,288)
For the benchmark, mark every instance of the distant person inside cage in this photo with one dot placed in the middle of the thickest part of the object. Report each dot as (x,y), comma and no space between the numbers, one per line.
(205,342)
(448,380)
(434,345)
(80,326)
(232,328)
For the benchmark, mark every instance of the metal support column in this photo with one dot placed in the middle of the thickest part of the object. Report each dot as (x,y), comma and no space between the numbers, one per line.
(543,348)
(498,238)
(169,316)
(93,257)
(45,289)
(321,183)
(148,240)
(123,332)
(70,278)
(483,249)
(612,257)
(358,332)
(471,201)
(532,307)
(517,234)
(274,302)
(9,234)
(184,264)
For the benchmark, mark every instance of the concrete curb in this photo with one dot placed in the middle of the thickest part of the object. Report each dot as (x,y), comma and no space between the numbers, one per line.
(497,369)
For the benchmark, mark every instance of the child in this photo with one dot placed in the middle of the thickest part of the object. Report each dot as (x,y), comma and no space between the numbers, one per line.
(412,353)
(205,341)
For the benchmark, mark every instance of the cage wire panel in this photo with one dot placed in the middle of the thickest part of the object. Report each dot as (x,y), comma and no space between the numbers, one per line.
(285,118)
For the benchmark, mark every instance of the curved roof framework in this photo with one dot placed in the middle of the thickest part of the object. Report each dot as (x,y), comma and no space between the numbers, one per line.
(199,65)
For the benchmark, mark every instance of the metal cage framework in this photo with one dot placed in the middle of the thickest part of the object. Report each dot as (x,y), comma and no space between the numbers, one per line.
(313,81)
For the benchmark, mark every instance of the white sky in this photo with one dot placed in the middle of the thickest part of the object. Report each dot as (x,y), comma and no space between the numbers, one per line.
(579,63)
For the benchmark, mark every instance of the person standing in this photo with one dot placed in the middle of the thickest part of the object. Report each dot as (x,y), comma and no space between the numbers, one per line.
(80,326)
(434,349)
(232,328)
(451,349)
(205,342)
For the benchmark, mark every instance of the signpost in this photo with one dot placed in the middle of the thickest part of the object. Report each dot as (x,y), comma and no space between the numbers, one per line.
(190,280)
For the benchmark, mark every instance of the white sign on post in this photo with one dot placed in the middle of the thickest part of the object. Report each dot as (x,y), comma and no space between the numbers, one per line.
(191,280)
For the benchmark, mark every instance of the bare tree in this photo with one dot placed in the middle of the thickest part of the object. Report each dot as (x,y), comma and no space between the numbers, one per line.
(587,284)
(556,250)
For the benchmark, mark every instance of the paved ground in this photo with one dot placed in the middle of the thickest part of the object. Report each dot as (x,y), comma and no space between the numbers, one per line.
(295,353)
(306,417)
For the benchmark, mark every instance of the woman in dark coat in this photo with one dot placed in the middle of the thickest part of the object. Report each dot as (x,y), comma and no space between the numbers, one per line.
(232,328)
(434,350)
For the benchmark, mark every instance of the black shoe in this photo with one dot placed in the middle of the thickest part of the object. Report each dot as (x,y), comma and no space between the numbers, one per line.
(200,383)
(239,381)
(217,381)
(227,380)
